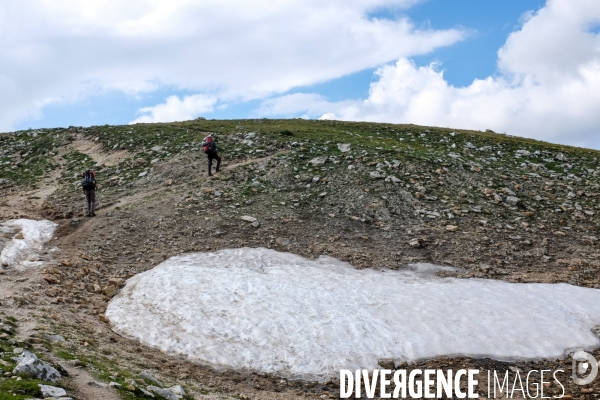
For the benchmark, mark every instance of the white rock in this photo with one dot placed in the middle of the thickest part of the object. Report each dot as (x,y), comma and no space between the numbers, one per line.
(376,175)
(561,157)
(143,173)
(318,161)
(166,393)
(52,391)
(178,390)
(344,147)
(247,218)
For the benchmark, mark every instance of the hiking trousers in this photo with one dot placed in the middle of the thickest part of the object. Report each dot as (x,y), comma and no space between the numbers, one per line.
(90,196)
(211,157)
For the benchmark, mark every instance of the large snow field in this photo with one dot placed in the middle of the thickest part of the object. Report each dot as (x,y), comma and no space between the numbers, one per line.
(23,252)
(262,310)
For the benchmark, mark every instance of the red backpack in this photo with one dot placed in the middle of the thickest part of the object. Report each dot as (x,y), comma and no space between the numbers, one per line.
(209,145)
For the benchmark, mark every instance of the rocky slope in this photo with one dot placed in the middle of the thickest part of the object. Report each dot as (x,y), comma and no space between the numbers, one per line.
(376,195)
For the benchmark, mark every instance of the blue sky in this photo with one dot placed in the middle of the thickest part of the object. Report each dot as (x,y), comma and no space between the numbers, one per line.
(489,24)
(428,62)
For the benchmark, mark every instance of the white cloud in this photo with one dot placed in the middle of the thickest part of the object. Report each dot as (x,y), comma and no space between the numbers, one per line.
(65,50)
(548,86)
(176,109)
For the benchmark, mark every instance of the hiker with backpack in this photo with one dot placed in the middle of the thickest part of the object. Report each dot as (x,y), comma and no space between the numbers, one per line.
(209,145)
(89,186)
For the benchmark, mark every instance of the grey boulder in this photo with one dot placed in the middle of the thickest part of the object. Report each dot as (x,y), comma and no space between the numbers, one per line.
(29,365)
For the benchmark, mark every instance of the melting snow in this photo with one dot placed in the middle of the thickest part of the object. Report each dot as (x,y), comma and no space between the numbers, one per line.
(262,310)
(26,239)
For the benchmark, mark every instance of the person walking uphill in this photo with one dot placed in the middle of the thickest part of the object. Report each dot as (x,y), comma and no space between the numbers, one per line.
(209,145)
(89,186)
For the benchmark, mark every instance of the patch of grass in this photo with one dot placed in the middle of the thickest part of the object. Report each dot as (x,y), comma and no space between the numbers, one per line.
(11,389)
(64,355)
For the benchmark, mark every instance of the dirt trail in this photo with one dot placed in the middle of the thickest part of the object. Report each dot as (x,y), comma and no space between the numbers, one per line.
(87,388)
(95,152)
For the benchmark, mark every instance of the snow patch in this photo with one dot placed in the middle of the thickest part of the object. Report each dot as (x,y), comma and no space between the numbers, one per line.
(262,310)
(26,239)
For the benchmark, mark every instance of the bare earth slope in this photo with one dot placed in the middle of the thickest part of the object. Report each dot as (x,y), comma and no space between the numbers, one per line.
(375,195)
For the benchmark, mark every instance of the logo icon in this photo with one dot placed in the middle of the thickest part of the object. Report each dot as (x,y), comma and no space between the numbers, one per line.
(582,362)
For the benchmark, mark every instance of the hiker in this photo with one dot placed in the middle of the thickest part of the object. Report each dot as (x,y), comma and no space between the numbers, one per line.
(209,145)
(89,186)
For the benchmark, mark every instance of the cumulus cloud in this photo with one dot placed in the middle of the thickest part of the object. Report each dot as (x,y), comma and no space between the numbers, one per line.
(65,50)
(176,109)
(547,86)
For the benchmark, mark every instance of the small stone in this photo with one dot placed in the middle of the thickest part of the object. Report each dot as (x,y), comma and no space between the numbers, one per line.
(414,243)
(248,218)
(140,161)
(166,393)
(343,147)
(97,288)
(147,393)
(561,157)
(316,179)
(116,282)
(393,179)
(131,388)
(143,173)
(376,175)
(178,390)
(51,279)
(451,228)
(255,224)
(283,242)
(102,318)
(169,182)
(109,290)
(52,391)
(318,161)
(115,385)
(149,377)
(512,200)
(18,350)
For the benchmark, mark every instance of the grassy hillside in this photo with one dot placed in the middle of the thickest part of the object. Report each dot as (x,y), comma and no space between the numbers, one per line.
(375,195)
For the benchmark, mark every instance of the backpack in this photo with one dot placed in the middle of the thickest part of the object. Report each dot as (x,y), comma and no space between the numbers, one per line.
(209,145)
(88,180)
